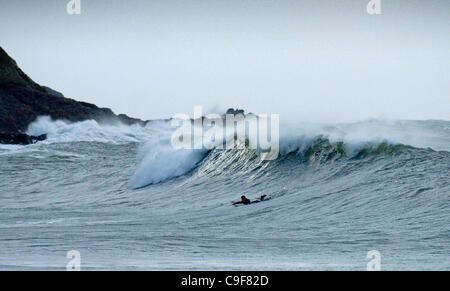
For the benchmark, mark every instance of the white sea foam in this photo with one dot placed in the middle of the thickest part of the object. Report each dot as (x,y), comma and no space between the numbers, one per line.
(88,131)
(159,160)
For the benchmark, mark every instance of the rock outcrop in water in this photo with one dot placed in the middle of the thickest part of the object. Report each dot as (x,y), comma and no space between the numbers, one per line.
(22,101)
(20,138)
(233,111)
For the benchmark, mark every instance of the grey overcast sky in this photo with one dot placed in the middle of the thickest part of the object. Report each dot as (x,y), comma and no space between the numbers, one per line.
(317,60)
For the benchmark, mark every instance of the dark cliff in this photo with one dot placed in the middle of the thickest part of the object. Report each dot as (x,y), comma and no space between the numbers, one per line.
(22,101)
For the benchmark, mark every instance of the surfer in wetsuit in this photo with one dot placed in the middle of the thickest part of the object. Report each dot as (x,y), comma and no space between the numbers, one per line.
(244,200)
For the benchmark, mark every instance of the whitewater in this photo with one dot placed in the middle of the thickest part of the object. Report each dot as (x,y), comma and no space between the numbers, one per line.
(125,199)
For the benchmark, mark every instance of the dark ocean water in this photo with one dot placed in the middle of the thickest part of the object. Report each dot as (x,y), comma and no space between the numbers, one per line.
(333,199)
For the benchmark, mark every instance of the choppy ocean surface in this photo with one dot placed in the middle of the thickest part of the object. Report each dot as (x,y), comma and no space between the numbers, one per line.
(337,191)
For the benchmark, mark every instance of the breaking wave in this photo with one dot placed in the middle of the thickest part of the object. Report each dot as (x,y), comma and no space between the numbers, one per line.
(159,161)
(59,131)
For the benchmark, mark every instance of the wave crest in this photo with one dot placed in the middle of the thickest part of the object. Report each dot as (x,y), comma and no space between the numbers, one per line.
(59,131)
(159,161)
